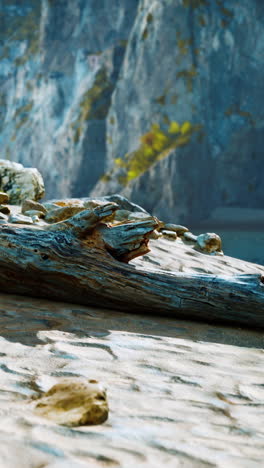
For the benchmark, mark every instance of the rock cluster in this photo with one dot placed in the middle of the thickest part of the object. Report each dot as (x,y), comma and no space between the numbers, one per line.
(20,183)
(55,211)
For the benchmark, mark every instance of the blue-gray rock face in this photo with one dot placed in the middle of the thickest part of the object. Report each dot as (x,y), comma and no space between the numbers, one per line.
(60,61)
(83,82)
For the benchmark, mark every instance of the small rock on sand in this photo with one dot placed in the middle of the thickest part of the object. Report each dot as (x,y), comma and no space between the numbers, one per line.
(74,402)
(4,198)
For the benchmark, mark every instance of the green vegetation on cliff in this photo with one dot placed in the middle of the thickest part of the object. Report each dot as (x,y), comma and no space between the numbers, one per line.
(154,146)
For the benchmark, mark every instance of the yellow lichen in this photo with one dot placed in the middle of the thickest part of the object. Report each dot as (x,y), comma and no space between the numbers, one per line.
(154,146)
(174,127)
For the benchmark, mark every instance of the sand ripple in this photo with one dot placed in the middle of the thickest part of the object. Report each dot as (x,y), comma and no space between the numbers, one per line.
(180,393)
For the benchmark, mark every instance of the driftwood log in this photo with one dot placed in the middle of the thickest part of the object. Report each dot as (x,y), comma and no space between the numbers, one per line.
(85,260)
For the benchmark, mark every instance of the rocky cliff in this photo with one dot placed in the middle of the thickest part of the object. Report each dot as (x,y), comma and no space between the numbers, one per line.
(157,99)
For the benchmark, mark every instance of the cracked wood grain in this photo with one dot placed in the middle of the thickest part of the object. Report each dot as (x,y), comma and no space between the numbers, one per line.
(85,260)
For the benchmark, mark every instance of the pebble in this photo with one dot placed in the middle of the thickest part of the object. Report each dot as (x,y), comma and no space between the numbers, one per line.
(209,242)
(180,230)
(4,209)
(171,235)
(189,237)
(74,402)
(61,213)
(20,219)
(35,219)
(155,234)
(4,198)
(33,213)
(30,205)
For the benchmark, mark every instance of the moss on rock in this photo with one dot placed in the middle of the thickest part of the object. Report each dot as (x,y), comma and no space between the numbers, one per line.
(154,146)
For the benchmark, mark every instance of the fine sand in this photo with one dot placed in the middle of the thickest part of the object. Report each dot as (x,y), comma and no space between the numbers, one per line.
(181,394)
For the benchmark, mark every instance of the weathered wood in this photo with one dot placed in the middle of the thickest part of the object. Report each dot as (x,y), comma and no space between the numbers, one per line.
(84,260)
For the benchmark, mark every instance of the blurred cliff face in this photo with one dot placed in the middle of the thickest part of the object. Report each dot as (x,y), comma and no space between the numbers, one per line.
(159,100)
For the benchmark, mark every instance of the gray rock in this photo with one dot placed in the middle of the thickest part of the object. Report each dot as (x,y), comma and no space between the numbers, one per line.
(35,219)
(57,98)
(92,202)
(180,230)
(20,219)
(190,237)
(171,235)
(34,213)
(138,215)
(4,198)
(155,235)
(124,203)
(209,242)
(74,134)
(121,215)
(208,67)
(28,205)
(20,183)
(62,213)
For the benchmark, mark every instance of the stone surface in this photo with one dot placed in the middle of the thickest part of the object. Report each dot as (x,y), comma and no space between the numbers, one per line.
(28,205)
(20,183)
(124,203)
(4,209)
(35,219)
(4,198)
(121,215)
(209,242)
(138,216)
(33,213)
(75,96)
(19,219)
(190,237)
(210,63)
(74,402)
(155,234)
(61,213)
(180,230)
(57,75)
(172,235)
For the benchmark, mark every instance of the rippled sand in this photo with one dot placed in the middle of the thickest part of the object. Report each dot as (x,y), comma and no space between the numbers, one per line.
(181,394)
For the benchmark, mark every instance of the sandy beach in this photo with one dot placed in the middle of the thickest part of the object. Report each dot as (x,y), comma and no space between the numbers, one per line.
(181,393)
